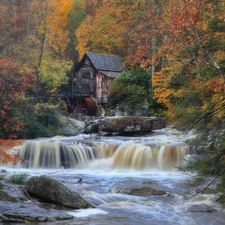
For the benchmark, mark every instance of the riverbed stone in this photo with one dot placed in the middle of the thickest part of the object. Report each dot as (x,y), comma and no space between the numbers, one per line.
(140,191)
(124,124)
(51,190)
(6,197)
(9,193)
(201,208)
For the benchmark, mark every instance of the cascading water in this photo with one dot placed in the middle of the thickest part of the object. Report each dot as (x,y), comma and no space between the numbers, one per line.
(56,154)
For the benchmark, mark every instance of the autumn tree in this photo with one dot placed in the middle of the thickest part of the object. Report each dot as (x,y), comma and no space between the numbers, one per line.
(27,55)
(12,87)
(194,71)
(189,63)
(109,29)
(40,43)
(76,15)
(53,66)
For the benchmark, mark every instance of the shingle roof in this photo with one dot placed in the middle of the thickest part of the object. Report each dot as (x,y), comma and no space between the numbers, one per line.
(106,62)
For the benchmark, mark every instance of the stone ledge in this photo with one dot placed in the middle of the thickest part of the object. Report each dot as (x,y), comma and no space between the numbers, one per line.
(124,124)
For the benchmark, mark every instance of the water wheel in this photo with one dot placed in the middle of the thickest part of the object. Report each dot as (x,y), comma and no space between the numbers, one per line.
(85,106)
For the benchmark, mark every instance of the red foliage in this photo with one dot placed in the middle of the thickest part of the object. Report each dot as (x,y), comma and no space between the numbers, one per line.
(12,86)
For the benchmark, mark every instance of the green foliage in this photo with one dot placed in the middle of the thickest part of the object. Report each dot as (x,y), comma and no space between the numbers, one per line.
(155,108)
(208,161)
(117,93)
(209,165)
(47,120)
(38,119)
(136,95)
(18,178)
(207,73)
(216,25)
(133,90)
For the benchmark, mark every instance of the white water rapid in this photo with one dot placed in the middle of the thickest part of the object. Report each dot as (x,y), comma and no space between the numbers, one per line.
(106,164)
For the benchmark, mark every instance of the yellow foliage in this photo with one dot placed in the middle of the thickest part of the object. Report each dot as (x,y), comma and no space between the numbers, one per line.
(107,30)
(57,23)
(162,92)
(180,93)
(54,73)
(83,34)
(219,56)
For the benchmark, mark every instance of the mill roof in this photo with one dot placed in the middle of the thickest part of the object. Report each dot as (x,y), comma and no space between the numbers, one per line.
(106,62)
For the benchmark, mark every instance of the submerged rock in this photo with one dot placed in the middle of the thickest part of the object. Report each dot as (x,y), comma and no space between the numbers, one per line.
(51,190)
(124,124)
(201,208)
(139,191)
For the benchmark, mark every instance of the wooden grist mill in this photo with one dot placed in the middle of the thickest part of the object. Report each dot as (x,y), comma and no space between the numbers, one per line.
(91,82)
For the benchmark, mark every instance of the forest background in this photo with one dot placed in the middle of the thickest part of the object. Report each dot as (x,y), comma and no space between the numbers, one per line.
(179,43)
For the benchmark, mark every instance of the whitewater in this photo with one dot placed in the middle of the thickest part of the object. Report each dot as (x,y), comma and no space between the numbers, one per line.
(96,166)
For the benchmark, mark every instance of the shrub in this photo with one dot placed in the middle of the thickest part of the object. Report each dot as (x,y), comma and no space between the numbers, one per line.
(17,178)
(38,120)
(131,88)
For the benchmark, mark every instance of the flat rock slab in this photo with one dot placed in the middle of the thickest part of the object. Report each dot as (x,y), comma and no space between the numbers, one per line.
(29,212)
(124,124)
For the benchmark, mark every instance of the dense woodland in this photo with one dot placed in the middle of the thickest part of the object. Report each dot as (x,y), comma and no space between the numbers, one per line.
(179,43)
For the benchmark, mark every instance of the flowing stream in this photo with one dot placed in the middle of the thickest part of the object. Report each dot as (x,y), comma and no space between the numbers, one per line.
(107,163)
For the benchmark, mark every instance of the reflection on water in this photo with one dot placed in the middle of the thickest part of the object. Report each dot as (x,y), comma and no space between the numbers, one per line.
(111,163)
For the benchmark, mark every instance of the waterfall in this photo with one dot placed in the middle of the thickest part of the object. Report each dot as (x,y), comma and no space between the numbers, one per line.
(128,155)
(48,154)
(140,156)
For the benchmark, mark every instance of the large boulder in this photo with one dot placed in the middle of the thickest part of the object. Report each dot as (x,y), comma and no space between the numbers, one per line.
(51,190)
(124,124)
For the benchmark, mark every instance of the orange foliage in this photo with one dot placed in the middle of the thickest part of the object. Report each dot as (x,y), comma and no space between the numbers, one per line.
(162,92)
(13,157)
(83,34)
(57,23)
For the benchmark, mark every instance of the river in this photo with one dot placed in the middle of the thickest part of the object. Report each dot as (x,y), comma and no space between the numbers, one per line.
(96,167)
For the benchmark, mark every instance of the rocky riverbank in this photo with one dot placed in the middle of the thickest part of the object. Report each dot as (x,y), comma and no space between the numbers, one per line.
(44,199)
(40,199)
